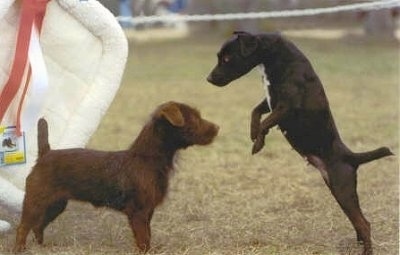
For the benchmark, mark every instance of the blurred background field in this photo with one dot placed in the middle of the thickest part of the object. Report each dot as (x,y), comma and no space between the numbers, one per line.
(222,200)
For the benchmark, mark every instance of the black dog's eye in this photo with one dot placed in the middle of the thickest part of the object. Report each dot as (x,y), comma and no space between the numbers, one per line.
(226,59)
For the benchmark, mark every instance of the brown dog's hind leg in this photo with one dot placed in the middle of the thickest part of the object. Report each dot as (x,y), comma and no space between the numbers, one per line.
(343,185)
(22,233)
(51,214)
(31,213)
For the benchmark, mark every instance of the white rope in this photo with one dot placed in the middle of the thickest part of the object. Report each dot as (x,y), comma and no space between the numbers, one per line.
(366,6)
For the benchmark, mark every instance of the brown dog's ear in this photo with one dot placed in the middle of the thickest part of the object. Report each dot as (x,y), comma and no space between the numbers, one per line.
(171,112)
(248,43)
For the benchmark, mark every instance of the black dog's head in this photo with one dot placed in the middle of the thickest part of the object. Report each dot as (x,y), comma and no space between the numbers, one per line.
(238,56)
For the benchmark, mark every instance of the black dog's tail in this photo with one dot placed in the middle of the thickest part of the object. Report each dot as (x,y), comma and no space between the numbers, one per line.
(43,138)
(357,159)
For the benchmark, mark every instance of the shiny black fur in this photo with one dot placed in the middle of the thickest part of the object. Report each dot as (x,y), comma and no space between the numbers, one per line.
(300,108)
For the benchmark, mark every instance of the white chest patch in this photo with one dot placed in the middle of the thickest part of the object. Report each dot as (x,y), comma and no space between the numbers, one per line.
(265,83)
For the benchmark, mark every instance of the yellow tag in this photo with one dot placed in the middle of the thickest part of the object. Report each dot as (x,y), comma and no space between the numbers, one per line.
(12,147)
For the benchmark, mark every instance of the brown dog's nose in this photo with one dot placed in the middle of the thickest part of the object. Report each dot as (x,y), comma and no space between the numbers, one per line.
(215,127)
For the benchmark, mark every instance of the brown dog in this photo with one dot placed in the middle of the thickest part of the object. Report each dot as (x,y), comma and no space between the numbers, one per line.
(297,104)
(133,181)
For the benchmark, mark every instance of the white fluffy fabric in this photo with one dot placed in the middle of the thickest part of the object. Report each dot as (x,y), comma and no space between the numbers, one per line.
(85,52)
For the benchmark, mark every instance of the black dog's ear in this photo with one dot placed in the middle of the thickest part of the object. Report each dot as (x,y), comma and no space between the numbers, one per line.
(241,33)
(248,43)
(267,40)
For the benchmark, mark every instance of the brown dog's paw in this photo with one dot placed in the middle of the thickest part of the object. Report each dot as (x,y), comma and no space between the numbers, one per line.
(258,144)
(367,251)
(18,249)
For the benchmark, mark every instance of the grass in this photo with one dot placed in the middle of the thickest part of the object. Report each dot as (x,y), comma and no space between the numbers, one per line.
(222,200)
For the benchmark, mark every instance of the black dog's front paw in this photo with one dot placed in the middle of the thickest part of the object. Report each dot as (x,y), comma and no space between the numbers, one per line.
(254,130)
(258,144)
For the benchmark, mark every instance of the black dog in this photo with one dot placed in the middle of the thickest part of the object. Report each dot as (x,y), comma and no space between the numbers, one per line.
(299,107)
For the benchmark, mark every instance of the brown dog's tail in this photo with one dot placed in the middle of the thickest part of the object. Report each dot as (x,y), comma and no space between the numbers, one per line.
(43,138)
(357,159)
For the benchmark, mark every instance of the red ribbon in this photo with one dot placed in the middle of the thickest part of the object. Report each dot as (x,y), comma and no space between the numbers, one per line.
(32,11)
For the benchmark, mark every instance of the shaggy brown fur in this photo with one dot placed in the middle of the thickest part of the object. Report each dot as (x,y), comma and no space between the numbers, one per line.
(133,181)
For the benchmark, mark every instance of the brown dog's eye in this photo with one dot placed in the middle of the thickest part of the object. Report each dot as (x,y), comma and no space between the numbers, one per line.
(226,59)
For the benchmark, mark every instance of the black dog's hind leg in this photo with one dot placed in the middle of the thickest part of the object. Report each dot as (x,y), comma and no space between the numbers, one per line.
(256,114)
(343,185)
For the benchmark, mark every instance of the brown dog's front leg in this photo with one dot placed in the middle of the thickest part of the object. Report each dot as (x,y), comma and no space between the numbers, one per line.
(140,224)
(259,110)
(272,120)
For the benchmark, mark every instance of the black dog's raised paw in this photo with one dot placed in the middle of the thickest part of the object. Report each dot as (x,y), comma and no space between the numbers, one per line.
(254,130)
(258,144)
